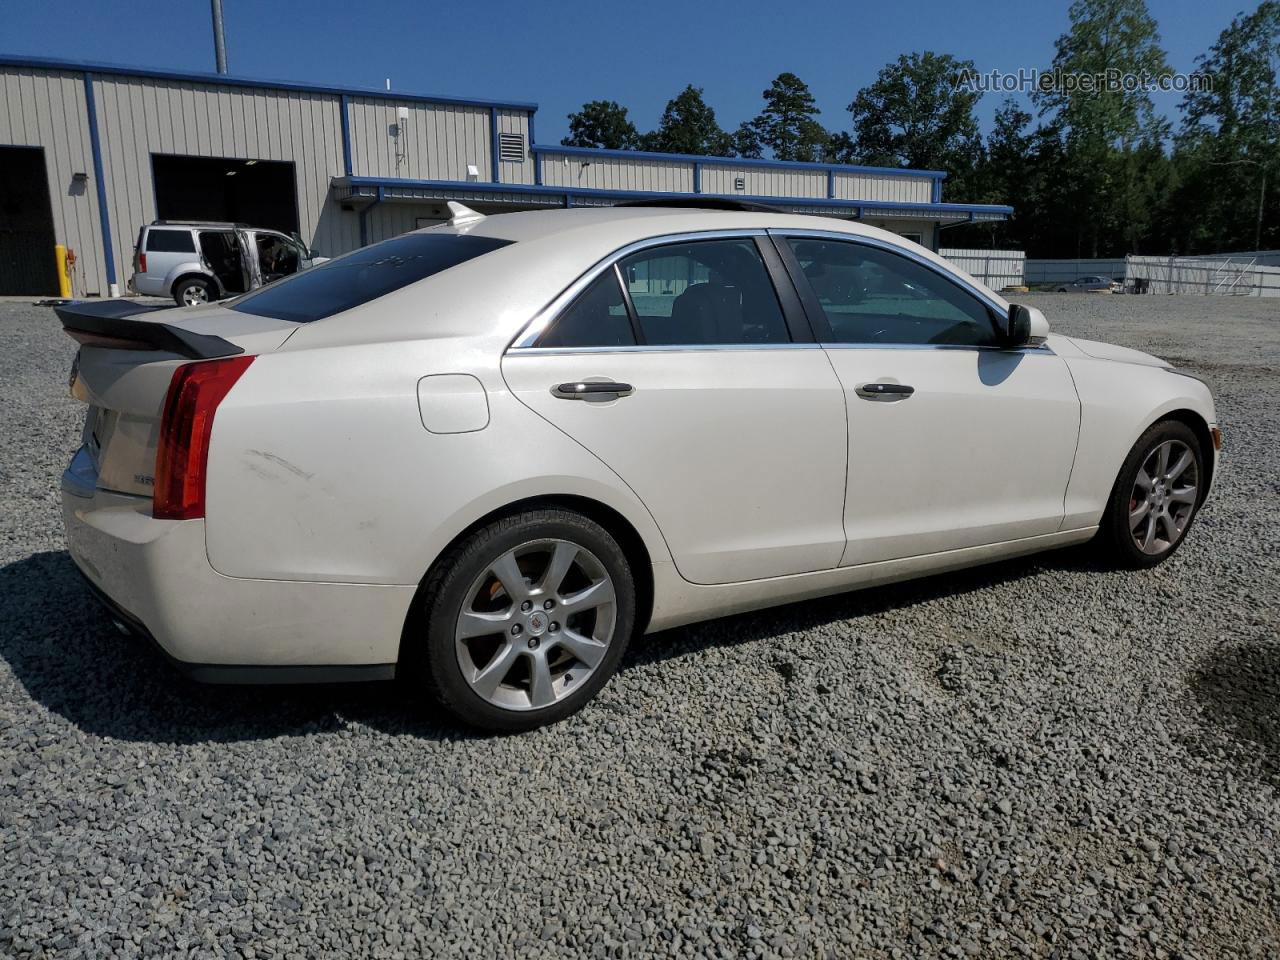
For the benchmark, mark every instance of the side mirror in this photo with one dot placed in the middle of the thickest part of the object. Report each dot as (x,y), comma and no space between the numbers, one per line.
(1024,325)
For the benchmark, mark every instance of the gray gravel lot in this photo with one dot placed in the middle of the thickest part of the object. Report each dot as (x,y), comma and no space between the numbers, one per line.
(1039,758)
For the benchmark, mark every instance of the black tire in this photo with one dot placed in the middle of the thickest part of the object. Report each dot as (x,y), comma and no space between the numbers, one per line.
(1115,538)
(430,659)
(181,288)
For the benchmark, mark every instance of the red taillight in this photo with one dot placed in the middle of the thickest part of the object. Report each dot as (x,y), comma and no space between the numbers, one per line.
(142,263)
(183,454)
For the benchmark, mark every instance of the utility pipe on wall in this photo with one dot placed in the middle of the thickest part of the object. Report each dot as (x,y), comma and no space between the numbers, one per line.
(219,40)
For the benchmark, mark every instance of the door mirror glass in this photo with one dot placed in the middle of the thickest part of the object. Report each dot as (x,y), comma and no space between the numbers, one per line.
(1024,325)
(1017,326)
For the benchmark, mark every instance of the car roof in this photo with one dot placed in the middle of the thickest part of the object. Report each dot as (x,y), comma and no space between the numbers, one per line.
(639,223)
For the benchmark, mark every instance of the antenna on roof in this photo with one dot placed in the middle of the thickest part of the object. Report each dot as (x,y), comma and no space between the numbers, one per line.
(462,214)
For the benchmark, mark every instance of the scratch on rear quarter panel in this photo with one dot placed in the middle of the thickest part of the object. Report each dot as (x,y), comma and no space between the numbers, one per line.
(281,461)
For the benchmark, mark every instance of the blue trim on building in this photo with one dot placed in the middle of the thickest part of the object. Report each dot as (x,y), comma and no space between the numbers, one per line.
(860,206)
(697,176)
(344,106)
(95,146)
(937,191)
(831,184)
(494,153)
(222,79)
(738,161)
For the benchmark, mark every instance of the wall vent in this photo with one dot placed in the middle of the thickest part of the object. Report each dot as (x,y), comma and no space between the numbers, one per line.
(739,183)
(511,147)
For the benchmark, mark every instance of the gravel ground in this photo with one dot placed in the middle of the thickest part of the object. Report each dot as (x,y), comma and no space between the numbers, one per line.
(1039,758)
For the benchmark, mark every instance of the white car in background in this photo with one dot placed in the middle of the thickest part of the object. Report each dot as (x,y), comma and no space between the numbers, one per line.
(484,456)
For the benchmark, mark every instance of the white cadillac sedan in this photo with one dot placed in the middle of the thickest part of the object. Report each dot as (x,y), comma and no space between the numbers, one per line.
(484,456)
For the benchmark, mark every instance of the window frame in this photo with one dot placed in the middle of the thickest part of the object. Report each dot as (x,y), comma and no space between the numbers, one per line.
(818,318)
(793,312)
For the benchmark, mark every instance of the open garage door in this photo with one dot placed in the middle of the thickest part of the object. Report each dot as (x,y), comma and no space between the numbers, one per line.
(262,193)
(27,264)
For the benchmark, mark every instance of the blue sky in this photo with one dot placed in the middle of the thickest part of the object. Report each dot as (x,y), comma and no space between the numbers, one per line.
(560,55)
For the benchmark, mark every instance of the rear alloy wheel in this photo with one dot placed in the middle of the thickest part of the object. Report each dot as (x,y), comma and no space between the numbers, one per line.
(527,620)
(193,291)
(1156,495)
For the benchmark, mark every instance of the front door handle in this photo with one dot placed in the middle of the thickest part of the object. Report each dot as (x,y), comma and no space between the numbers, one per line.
(884,391)
(596,390)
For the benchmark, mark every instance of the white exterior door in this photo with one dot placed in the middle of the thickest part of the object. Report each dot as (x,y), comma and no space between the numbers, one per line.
(953,442)
(979,453)
(687,384)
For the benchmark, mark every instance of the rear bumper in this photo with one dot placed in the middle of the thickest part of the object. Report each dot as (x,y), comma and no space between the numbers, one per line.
(147,285)
(155,579)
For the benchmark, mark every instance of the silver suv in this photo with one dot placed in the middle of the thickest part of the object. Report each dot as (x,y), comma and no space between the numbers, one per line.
(199,262)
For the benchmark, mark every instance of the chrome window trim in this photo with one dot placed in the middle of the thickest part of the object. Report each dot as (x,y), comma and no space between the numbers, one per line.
(528,336)
(782,233)
(1028,348)
(660,348)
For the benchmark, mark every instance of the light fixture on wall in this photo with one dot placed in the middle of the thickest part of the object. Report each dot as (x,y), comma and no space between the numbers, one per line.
(473,172)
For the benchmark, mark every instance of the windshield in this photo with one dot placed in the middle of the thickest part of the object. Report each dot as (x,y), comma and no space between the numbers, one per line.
(363,276)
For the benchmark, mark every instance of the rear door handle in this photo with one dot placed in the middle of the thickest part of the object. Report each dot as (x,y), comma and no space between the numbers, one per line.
(592,390)
(884,391)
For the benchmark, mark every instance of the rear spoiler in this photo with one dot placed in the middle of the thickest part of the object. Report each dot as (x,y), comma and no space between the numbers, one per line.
(111,324)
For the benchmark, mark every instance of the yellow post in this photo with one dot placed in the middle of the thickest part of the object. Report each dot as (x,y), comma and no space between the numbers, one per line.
(64,278)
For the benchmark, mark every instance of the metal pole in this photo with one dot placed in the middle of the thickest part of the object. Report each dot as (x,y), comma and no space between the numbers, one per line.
(219,40)
(1262,201)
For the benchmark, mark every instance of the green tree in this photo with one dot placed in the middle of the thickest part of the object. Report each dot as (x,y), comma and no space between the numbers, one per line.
(1228,151)
(917,114)
(602,123)
(1108,129)
(746,142)
(786,125)
(688,125)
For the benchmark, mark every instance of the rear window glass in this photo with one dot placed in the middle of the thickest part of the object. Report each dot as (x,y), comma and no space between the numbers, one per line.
(363,276)
(170,241)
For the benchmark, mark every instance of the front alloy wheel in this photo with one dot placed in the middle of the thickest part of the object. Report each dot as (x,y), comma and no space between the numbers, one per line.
(526,619)
(1164,497)
(1156,496)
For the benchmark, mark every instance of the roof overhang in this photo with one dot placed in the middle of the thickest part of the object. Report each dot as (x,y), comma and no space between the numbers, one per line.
(362,191)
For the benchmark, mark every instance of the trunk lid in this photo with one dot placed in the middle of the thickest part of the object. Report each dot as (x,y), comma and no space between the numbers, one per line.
(126,360)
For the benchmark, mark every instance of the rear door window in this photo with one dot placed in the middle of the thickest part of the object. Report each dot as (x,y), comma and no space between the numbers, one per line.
(703,293)
(170,241)
(598,318)
(363,276)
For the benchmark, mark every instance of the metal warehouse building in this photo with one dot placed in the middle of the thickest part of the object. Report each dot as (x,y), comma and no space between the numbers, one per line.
(91,152)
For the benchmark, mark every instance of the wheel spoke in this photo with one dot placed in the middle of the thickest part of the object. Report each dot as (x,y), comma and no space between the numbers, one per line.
(589,651)
(1150,536)
(1180,467)
(1162,461)
(562,558)
(1143,481)
(1135,516)
(541,692)
(593,596)
(1170,528)
(472,624)
(1183,495)
(488,679)
(507,570)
